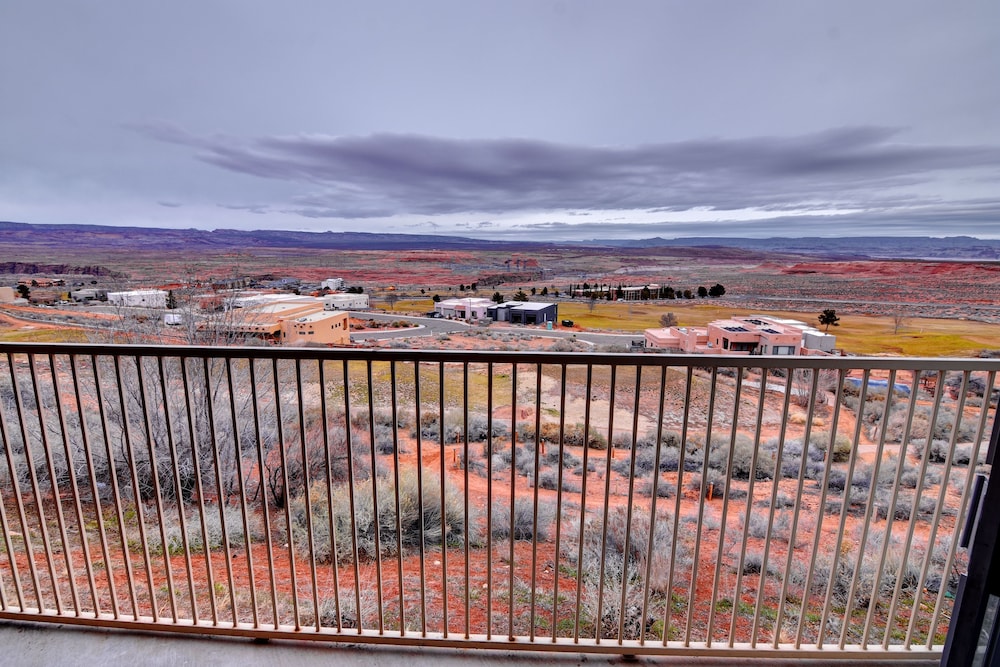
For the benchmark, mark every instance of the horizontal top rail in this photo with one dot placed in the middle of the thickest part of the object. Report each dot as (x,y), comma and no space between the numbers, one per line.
(494,356)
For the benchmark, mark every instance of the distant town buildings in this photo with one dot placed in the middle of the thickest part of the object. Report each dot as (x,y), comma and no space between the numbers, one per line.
(753,334)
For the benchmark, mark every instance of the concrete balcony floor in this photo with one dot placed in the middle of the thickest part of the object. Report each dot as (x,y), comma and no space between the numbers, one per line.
(42,644)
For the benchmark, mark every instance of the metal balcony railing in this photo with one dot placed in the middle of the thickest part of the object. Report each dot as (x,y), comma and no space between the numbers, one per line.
(634,504)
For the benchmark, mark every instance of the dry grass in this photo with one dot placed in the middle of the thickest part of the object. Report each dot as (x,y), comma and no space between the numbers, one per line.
(857,334)
(43,336)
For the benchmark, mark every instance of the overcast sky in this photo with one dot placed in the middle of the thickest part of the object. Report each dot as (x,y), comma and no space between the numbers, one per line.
(511,119)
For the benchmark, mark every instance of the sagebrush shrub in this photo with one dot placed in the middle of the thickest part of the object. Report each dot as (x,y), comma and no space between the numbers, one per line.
(420,518)
(519,523)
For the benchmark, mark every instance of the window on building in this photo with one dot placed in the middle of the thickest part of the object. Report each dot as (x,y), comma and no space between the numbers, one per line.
(784,349)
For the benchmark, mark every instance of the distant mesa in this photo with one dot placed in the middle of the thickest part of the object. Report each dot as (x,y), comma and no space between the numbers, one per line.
(963,248)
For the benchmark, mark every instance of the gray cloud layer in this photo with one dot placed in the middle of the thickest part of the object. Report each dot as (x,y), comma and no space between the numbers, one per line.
(392,174)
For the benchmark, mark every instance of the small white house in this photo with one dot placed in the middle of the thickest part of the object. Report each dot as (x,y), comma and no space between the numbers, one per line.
(149,298)
(345,301)
(470,308)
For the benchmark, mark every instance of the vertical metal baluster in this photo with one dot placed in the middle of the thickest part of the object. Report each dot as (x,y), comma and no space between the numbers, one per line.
(559,498)
(807,436)
(915,509)
(846,501)
(890,510)
(725,513)
(629,506)
(779,454)
(195,445)
(334,569)
(241,489)
(963,506)
(583,499)
(140,508)
(420,499)
(116,499)
(466,527)
(376,509)
(352,490)
(155,474)
(738,590)
(869,509)
(77,505)
(47,448)
(16,494)
(396,499)
(598,621)
(710,420)
(489,500)
(583,507)
(443,508)
(261,467)
(304,452)
(222,494)
(43,528)
(660,414)
(512,496)
(178,491)
(803,464)
(688,382)
(5,529)
(296,620)
(824,487)
(936,518)
(534,506)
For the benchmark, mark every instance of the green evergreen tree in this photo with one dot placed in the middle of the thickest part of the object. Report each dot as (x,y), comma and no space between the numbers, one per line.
(829,317)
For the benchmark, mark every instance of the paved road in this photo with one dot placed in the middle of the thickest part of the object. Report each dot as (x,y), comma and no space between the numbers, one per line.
(430,326)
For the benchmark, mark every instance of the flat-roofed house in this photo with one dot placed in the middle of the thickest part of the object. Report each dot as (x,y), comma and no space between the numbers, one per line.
(752,334)
(323,328)
(468,308)
(524,312)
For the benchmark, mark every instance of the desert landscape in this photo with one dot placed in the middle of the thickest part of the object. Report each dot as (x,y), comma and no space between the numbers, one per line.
(890,305)
(639,499)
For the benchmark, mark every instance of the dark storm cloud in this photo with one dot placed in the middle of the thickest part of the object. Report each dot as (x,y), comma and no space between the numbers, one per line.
(387,174)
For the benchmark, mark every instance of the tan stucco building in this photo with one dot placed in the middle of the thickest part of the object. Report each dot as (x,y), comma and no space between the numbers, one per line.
(753,334)
(295,323)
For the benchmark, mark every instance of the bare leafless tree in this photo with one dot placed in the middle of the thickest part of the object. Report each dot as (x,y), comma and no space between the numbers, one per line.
(668,320)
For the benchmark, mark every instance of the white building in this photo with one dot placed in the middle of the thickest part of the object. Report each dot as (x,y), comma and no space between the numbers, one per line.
(148,298)
(471,308)
(334,284)
(345,301)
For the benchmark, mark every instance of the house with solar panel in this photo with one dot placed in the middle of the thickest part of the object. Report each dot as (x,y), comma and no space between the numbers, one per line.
(751,334)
